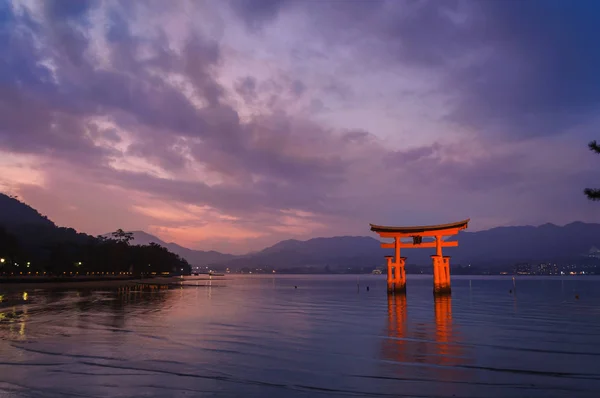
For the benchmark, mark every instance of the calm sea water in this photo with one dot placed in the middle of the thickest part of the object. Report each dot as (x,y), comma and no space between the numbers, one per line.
(259,336)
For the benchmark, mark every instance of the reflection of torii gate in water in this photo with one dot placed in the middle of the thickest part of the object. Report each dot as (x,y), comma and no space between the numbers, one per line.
(396,275)
(408,343)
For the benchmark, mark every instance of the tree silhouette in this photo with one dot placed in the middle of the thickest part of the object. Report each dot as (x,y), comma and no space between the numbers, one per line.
(121,236)
(593,193)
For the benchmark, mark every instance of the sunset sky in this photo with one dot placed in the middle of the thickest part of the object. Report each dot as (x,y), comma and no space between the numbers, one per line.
(231,125)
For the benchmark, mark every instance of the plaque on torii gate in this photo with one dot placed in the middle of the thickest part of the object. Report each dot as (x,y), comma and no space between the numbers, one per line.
(396,275)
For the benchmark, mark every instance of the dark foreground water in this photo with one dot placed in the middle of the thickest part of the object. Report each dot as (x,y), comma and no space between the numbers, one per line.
(261,337)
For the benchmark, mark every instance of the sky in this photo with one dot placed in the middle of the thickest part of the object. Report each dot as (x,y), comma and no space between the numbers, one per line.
(232,125)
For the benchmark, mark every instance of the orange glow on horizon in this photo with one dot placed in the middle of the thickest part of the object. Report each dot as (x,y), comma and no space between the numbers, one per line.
(190,236)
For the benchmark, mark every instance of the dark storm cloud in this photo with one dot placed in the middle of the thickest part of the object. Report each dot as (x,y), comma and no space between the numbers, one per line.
(489,171)
(497,173)
(541,77)
(234,199)
(515,68)
(67,9)
(161,150)
(200,54)
(109,134)
(256,13)
(30,86)
(43,110)
(33,118)
(404,158)
(298,88)
(357,136)
(246,87)
(507,73)
(276,148)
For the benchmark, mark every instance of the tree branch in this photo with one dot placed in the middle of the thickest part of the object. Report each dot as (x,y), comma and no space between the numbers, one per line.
(592,194)
(594,146)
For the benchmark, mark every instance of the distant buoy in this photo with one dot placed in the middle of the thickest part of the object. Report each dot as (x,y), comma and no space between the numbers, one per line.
(295,287)
(367,288)
(510,291)
(576,297)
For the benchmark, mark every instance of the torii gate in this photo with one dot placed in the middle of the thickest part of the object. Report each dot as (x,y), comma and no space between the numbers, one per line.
(396,275)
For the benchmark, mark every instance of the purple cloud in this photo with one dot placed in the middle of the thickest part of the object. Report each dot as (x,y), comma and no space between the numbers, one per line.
(143,100)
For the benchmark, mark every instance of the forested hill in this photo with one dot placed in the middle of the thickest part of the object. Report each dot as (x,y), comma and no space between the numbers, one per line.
(16,213)
(30,243)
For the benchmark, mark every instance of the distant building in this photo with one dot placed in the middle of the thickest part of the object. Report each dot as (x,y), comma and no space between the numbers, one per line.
(545,269)
(594,252)
(523,269)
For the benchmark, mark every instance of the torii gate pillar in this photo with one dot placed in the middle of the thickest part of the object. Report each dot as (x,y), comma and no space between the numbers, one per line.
(441,274)
(396,275)
(441,269)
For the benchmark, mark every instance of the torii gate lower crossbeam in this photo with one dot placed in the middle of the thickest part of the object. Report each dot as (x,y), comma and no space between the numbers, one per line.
(396,274)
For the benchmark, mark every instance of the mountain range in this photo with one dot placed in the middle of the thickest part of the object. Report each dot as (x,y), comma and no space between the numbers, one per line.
(194,257)
(495,246)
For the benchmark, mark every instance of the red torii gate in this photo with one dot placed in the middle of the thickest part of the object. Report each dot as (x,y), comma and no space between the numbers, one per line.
(396,275)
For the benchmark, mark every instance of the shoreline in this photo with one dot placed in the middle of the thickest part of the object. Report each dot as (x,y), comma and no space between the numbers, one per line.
(63,282)
(45,282)
(61,279)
